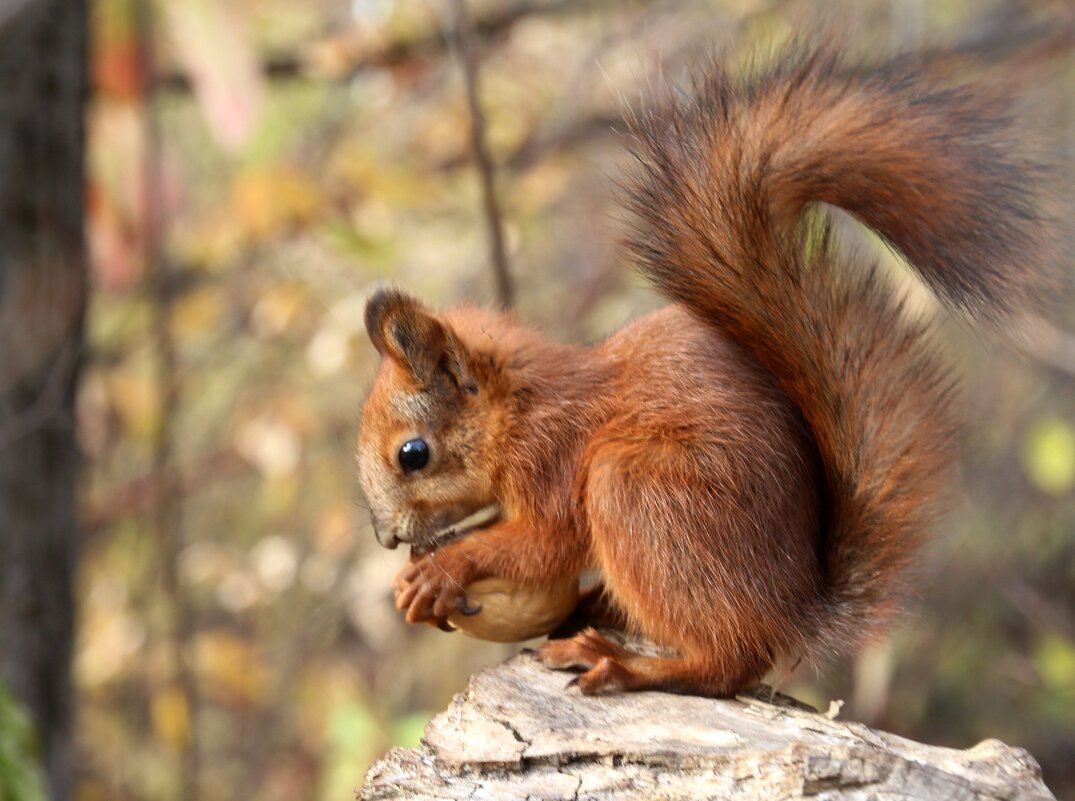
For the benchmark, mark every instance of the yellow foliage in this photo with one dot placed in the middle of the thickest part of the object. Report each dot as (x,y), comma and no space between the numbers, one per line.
(267,198)
(278,308)
(381,186)
(170,713)
(197,312)
(110,637)
(135,396)
(230,668)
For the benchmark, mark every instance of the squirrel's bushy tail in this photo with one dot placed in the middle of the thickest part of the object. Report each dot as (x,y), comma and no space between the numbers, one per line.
(718,201)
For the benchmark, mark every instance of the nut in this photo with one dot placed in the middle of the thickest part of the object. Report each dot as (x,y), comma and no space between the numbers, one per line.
(513,613)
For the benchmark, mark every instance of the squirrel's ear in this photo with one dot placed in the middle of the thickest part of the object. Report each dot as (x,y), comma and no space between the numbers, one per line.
(403,329)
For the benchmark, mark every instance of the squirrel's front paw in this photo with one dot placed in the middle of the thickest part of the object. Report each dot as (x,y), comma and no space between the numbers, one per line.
(429,589)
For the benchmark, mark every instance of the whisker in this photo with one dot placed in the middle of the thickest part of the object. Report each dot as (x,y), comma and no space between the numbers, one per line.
(450,577)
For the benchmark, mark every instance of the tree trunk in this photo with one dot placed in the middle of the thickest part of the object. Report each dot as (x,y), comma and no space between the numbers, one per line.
(43,86)
(517,734)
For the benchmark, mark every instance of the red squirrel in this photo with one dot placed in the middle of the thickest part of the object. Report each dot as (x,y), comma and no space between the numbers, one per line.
(753,468)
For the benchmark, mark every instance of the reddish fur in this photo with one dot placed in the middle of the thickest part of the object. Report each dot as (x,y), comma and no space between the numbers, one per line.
(753,468)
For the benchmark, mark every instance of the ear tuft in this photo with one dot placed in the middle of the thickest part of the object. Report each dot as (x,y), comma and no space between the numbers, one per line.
(402,328)
(382,306)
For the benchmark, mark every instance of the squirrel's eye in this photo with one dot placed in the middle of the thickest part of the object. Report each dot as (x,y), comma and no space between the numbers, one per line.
(413,455)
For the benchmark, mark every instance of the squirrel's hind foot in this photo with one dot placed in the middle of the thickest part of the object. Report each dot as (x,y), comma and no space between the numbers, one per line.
(581,652)
(603,661)
(608,667)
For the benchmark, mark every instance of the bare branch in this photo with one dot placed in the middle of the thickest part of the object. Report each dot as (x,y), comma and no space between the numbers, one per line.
(480,152)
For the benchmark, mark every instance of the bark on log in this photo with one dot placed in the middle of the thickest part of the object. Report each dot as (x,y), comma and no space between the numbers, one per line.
(516,734)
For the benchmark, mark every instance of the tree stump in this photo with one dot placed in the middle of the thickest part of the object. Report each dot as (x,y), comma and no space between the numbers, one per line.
(517,734)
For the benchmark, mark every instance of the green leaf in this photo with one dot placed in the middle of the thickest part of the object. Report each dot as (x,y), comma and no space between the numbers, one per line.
(407,731)
(355,739)
(20,773)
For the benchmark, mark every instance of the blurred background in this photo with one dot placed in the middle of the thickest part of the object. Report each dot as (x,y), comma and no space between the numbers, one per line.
(182,364)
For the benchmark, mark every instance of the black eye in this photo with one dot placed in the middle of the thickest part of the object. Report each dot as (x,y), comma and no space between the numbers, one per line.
(413,455)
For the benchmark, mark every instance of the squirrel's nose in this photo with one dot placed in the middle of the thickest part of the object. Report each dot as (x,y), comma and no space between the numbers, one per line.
(387,540)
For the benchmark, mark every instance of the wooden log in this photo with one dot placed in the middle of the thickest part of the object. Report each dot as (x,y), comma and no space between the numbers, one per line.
(517,734)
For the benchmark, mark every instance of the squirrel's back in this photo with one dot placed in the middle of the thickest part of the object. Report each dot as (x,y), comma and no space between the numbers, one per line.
(721,226)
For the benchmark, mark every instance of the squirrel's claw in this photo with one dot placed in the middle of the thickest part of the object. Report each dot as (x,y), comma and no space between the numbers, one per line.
(464,607)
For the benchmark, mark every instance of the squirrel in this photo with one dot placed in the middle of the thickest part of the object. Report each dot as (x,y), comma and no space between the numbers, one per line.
(753,468)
